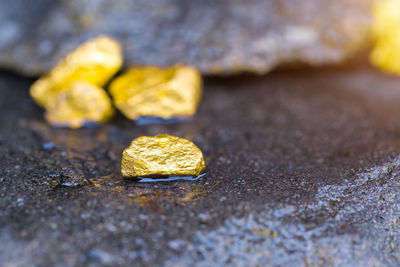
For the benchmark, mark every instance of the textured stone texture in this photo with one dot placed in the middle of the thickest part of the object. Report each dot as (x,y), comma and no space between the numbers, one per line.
(214,36)
(302,170)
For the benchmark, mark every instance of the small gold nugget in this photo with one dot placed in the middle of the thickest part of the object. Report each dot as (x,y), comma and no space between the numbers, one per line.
(154,92)
(71,92)
(80,104)
(94,62)
(161,155)
(386,32)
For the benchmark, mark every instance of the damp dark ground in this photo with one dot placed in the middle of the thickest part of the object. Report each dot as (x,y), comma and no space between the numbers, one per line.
(302,169)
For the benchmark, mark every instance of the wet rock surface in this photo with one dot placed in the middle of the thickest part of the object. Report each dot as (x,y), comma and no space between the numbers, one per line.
(302,168)
(214,36)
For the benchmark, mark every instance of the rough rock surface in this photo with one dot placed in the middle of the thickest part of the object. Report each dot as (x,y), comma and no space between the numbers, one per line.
(303,169)
(214,36)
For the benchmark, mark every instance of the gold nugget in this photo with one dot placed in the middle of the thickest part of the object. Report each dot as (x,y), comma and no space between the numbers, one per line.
(386,33)
(80,104)
(71,92)
(161,155)
(155,92)
(94,62)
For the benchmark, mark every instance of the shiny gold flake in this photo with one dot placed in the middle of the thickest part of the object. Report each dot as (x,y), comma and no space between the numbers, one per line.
(386,34)
(154,92)
(161,155)
(80,104)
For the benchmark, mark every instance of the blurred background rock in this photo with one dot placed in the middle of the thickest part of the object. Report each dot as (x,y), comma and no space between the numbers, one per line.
(219,36)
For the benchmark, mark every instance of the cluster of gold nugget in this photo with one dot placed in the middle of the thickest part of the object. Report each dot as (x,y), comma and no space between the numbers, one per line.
(386,34)
(71,92)
(72,95)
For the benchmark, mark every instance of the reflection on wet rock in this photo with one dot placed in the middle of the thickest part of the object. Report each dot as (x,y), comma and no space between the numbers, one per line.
(170,179)
(66,177)
(148,120)
(161,156)
(152,92)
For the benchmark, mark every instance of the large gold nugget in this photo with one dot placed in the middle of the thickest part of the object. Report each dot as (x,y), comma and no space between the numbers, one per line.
(151,91)
(161,155)
(94,62)
(386,33)
(80,104)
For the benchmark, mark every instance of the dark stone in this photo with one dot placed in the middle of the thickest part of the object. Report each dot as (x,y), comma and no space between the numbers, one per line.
(214,36)
(302,170)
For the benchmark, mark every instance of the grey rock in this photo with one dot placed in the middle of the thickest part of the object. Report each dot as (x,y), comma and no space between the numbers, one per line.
(214,36)
(324,191)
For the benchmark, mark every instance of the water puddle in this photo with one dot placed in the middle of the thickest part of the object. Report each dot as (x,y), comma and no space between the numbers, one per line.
(148,120)
(169,179)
